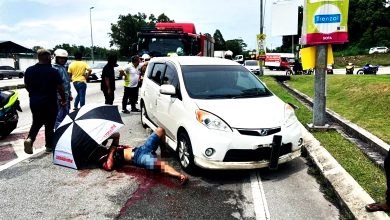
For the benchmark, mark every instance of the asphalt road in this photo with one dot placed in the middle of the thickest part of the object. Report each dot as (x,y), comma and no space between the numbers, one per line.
(34,188)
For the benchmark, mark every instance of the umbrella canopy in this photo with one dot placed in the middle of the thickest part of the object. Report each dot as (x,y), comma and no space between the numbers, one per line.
(81,132)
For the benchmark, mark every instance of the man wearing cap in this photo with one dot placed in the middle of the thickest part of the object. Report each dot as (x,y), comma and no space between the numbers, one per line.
(61,56)
(43,82)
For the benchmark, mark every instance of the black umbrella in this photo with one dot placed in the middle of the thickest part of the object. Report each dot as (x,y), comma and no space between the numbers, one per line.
(81,132)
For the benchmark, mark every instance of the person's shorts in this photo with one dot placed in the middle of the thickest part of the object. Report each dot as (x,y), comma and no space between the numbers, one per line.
(144,156)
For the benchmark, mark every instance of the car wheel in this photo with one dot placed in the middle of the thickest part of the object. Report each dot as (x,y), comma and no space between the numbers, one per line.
(21,75)
(9,77)
(1,77)
(144,115)
(360,72)
(184,152)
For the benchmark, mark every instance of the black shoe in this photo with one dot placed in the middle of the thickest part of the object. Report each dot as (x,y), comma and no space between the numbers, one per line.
(48,150)
(125,111)
(135,110)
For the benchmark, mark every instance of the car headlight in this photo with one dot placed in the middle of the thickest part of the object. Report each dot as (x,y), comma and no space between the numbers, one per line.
(289,115)
(212,121)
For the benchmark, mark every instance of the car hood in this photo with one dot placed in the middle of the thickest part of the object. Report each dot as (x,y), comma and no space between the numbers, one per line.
(262,112)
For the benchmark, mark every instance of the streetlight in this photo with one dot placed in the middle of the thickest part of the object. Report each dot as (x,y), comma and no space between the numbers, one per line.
(90,21)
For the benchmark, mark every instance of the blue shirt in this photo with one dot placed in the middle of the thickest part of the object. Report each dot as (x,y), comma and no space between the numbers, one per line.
(41,82)
(65,78)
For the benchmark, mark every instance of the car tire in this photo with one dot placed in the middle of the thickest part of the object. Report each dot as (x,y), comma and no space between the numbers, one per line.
(21,75)
(144,114)
(1,77)
(184,152)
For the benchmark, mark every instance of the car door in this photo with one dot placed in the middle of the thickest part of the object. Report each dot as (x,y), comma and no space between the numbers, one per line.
(152,90)
(169,107)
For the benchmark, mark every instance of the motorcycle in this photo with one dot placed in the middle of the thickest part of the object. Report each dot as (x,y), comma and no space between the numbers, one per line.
(329,69)
(368,69)
(349,68)
(9,105)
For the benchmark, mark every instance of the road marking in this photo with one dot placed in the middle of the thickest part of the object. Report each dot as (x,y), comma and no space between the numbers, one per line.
(259,200)
(21,158)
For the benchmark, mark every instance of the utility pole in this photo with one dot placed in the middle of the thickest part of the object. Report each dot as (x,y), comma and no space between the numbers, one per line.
(90,21)
(261,32)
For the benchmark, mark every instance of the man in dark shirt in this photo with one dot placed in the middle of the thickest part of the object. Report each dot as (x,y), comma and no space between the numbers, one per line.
(42,83)
(108,79)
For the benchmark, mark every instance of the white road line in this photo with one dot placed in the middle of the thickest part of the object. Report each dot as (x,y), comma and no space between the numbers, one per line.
(20,158)
(259,200)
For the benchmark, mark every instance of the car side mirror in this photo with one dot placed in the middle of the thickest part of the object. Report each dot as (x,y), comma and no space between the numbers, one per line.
(167,90)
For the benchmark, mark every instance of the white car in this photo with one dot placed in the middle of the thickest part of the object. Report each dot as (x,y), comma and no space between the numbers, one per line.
(253,66)
(97,69)
(378,50)
(217,114)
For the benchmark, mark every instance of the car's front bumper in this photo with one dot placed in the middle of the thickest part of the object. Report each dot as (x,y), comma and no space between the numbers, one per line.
(234,150)
(208,164)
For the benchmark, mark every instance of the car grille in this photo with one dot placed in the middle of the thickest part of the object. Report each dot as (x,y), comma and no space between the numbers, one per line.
(259,132)
(264,153)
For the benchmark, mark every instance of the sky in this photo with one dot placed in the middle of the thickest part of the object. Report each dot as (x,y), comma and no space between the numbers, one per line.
(48,23)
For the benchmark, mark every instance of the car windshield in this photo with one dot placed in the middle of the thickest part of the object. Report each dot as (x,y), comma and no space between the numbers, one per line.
(98,65)
(251,63)
(222,82)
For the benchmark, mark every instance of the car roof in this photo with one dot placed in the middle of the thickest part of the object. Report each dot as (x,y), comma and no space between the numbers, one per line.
(196,60)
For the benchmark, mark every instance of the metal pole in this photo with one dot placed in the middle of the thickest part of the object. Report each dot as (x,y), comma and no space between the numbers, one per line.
(261,32)
(319,105)
(90,21)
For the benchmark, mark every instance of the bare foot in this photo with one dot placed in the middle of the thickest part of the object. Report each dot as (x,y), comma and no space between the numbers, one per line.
(183,179)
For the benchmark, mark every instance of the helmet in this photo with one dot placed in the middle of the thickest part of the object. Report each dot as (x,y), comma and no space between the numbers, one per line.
(60,53)
(179,51)
(145,56)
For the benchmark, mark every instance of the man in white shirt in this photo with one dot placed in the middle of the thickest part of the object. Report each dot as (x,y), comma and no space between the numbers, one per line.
(131,75)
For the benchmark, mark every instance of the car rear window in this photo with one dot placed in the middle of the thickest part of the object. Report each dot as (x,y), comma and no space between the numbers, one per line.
(222,82)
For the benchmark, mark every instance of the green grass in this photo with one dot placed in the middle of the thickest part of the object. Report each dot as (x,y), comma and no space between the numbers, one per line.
(363,100)
(368,175)
(360,60)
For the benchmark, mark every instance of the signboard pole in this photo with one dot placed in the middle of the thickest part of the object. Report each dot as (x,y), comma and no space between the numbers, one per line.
(319,105)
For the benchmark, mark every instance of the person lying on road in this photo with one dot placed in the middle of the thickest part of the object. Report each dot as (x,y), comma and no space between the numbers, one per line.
(143,156)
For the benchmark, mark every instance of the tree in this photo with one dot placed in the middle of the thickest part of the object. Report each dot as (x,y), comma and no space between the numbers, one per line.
(124,32)
(220,43)
(237,46)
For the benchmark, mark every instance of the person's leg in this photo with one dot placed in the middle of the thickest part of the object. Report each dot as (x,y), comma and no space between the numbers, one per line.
(49,128)
(133,98)
(126,95)
(383,206)
(83,91)
(37,123)
(169,170)
(77,99)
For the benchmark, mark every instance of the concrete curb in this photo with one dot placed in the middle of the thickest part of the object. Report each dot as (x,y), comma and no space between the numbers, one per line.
(5,88)
(349,191)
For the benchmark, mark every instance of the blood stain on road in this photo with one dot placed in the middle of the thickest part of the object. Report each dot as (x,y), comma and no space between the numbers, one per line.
(7,153)
(147,179)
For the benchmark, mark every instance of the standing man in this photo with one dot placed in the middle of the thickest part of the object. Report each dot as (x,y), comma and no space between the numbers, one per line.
(108,79)
(131,76)
(61,56)
(78,72)
(42,83)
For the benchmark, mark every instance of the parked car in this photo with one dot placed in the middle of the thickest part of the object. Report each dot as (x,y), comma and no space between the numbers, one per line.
(217,114)
(97,69)
(378,50)
(9,72)
(253,66)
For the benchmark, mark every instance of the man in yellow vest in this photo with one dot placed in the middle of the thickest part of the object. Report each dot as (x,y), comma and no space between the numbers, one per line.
(79,71)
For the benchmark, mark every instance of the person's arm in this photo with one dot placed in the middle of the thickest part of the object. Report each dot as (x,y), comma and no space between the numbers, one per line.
(109,164)
(61,91)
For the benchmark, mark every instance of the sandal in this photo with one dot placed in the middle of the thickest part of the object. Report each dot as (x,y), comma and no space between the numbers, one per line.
(374,207)
(183,179)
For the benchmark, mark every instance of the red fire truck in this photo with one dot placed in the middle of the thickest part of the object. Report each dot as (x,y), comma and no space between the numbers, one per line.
(174,38)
